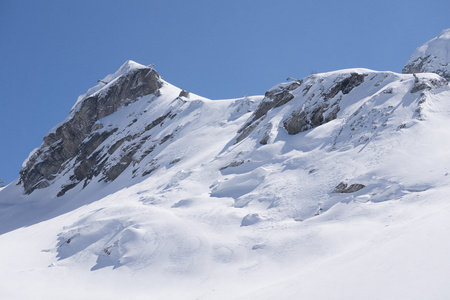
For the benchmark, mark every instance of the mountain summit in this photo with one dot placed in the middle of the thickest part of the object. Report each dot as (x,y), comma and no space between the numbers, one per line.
(432,57)
(335,185)
(73,144)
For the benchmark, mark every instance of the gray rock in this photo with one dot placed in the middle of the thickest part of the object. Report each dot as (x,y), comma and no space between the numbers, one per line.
(310,117)
(150,169)
(266,136)
(165,138)
(157,122)
(343,188)
(425,83)
(345,85)
(175,161)
(232,164)
(246,130)
(273,98)
(314,115)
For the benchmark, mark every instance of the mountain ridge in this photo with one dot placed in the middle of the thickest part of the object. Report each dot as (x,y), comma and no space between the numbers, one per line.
(95,133)
(159,191)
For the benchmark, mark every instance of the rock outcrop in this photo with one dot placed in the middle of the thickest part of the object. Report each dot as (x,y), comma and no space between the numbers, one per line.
(315,114)
(316,103)
(273,98)
(343,188)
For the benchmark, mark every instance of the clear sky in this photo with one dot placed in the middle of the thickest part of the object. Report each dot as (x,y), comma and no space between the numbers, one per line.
(53,51)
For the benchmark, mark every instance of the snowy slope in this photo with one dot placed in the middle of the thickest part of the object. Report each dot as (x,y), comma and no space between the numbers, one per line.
(334,186)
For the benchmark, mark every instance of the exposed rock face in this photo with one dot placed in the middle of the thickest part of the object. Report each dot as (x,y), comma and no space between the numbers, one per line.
(427,84)
(311,117)
(320,106)
(344,188)
(315,114)
(432,57)
(345,85)
(79,137)
(273,98)
(232,164)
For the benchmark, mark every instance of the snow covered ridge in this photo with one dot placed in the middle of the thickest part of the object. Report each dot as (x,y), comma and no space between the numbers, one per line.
(127,124)
(432,57)
(321,98)
(82,148)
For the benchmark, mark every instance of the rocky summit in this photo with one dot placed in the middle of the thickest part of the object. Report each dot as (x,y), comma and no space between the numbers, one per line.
(74,143)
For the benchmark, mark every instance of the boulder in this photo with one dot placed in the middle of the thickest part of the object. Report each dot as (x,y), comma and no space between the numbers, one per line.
(343,188)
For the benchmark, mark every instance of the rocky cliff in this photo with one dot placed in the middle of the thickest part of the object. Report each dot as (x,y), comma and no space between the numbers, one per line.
(76,140)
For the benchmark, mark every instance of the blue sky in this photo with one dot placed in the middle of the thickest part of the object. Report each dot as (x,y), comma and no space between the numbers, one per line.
(53,51)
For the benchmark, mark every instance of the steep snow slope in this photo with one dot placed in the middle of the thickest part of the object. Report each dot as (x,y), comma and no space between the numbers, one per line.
(365,129)
(334,186)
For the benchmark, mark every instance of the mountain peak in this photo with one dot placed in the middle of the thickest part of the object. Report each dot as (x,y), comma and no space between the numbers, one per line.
(432,57)
(126,68)
(129,65)
(69,139)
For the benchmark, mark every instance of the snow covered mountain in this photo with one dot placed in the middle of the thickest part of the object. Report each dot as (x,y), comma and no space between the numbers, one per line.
(433,57)
(333,186)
